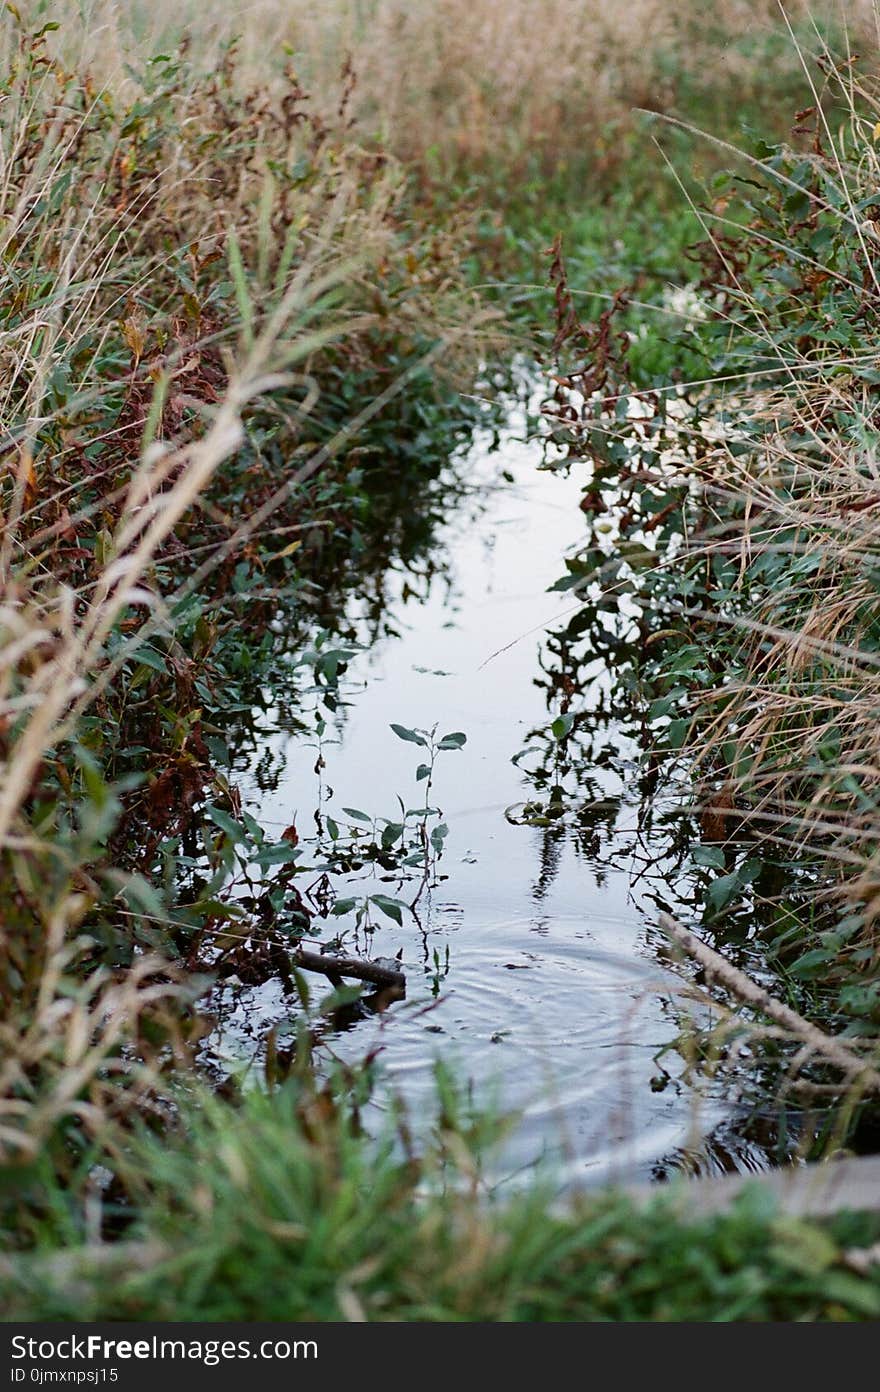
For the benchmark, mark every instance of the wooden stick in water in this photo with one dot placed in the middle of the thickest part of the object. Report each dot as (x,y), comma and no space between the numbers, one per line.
(332,964)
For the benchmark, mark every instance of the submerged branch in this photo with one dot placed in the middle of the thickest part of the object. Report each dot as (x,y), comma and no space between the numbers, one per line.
(330,964)
(816,1042)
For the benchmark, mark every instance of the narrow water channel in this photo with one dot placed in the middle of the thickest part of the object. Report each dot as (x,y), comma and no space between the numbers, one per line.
(532,966)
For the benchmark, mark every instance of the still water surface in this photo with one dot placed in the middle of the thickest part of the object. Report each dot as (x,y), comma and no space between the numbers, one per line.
(533,966)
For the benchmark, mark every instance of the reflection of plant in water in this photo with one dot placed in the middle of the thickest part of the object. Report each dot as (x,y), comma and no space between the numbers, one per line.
(440,969)
(564,761)
(397,558)
(694,859)
(257,898)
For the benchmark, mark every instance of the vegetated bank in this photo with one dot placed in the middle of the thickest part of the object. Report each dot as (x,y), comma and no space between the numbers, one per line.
(229,317)
(734,502)
(208,296)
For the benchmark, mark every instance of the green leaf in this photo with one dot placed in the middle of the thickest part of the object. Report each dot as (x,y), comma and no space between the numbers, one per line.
(391,907)
(677,732)
(357,815)
(438,836)
(712,857)
(567,582)
(148,657)
(239,280)
(803,1247)
(423,771)
(562,726)
(412,736)
(345,995)
(343,906)
(254,828)
(849,1290)
(276,855)
(453,741)
(811,962)
(391,833)
(234,830)
(722,890)
(216,908)
(141,896)
(664,704)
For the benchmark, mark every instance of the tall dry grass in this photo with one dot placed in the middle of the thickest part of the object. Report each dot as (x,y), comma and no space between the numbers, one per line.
(500,86)
(768,493)
(176,255)
(804,697)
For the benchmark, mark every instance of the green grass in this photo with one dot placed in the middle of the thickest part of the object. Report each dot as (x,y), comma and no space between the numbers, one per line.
(279,1210)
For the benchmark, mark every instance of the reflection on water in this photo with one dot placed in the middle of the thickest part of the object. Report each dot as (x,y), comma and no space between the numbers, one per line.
(532,965)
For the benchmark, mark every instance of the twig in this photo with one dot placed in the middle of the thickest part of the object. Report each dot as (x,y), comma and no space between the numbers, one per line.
(851,1064)
(330,964)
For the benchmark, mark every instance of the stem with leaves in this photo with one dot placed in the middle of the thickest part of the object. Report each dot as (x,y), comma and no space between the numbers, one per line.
(427,739)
